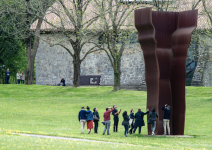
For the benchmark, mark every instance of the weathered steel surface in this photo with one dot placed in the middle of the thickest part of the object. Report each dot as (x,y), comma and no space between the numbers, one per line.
(187,22)
(146,38)
(165,24)
(168,42)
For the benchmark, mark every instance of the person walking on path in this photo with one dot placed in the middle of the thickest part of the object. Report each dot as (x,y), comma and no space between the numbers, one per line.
(125,123)
(132,118)
(166,118)
(115,113)
(139,120)
(18,76)
(152,119)
(96,121)
(7,76)
(107,119)
(22,77)
(82,118)
(89,120)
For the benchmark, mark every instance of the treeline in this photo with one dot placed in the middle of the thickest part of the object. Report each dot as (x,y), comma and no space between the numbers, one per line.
(12,56)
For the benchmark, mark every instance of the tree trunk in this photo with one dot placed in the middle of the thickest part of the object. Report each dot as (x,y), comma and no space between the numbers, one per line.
(31,53)
(117,75)
(2,77)
(30,71)
(30,63)
(76,63)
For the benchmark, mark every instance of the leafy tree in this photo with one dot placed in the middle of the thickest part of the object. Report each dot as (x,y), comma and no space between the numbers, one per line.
(22,13)
(12,55)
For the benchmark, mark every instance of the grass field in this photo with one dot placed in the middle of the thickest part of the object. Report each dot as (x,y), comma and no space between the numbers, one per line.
(53,110)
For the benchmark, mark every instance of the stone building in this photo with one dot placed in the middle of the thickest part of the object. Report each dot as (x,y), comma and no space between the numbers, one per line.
(54,63)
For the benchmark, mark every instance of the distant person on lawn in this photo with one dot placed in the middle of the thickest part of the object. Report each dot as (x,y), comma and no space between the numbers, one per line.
(115,113)
(132,118)
(82,118)
(89,120)
(62,82)
(96,122)
(166,118)
(125,123)
(152,119)
(7,76)
(107,119)
(22,77)
(139,120)
(18,76)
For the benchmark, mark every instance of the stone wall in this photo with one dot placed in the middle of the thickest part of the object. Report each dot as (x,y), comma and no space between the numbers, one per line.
(54,63)
(203,73)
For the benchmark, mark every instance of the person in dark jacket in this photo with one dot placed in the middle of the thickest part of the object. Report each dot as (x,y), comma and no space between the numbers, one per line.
(166,118)
(125,123)
(89,120)
(62,82)
(115,113)
(132,118)
(152,119)
(82,118)
(7,76)
(96,122)
(139,121)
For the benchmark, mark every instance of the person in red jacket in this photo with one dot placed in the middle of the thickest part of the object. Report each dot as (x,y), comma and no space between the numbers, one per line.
(107,119)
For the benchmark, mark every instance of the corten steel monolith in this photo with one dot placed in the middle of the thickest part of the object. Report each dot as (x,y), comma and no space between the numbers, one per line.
(166,72)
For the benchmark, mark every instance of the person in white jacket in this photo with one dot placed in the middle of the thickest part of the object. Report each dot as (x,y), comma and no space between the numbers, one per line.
(18,76)
(22,77)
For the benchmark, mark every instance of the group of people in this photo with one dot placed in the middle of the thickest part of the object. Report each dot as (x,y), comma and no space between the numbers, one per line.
(89,117)
(132,122)
(20,77)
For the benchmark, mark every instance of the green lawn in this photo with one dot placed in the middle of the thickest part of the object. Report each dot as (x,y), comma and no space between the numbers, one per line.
(53,110)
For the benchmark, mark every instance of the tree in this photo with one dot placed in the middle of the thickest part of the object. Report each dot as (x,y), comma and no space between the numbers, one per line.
(161,5)
(74,20)
(22,15)
(207,8)
(117,27)
(11,55)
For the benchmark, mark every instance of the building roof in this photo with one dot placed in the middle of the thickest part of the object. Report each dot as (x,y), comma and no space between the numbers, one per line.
(56,13)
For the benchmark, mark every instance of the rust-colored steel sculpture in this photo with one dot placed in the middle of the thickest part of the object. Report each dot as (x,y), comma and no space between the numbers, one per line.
(146,38)
(164,38)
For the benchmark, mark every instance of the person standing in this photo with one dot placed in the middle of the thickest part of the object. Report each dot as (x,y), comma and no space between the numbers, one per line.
(82,118)
(152,119)
(22,77)
(166,118)
(139,120)
(89,120)
(132,118)
(125,123)
(96,121)
(7,76)
(115,113)
(18,76)
(107,119)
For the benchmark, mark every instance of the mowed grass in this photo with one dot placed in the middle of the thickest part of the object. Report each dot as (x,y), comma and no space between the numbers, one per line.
(53,110)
